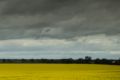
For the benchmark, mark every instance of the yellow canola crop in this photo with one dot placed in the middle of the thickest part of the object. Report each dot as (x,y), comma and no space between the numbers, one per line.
(59,72)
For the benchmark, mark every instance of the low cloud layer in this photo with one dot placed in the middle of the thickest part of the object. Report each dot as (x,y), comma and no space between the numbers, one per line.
(96,46)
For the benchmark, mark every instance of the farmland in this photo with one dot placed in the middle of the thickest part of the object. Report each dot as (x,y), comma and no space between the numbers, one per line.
(59,72)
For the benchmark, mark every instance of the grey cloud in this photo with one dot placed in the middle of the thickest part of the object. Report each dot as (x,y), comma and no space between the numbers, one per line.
(58,18)
(36,6)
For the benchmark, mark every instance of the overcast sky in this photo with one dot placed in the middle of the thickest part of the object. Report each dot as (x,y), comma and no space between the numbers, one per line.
(59,28)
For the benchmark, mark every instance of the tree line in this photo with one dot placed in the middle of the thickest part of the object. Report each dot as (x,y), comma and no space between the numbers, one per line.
(86,60)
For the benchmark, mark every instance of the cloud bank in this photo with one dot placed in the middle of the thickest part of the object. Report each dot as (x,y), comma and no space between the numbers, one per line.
(87,26)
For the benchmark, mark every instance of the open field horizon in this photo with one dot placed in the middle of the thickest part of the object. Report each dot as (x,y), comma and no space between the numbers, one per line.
(59,72)
(85,32)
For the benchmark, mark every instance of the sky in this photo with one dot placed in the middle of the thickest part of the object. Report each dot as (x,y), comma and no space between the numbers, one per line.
(59,28)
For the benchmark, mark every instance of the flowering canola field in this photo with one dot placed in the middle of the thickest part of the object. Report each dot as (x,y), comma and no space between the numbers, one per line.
(59,72)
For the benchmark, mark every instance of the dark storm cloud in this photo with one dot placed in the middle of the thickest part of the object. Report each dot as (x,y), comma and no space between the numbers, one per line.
(58,18)
(35,7)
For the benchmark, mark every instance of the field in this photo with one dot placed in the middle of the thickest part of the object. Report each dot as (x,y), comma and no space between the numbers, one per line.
(59,72)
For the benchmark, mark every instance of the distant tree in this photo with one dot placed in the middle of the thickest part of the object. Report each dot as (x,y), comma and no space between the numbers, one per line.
(104,61)
(118,62)
(80,60)
(88,59)
(97,61)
